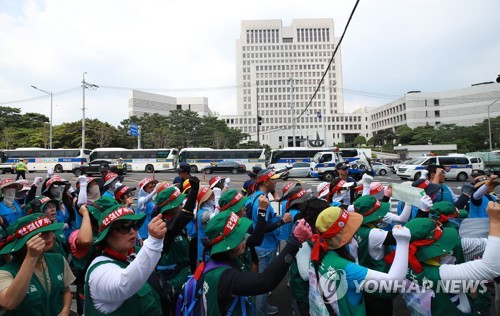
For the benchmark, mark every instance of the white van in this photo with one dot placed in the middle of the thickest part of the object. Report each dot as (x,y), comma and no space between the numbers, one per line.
(458,168)
(477,163)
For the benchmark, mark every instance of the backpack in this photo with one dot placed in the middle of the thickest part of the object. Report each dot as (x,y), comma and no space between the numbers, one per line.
(192,300)
(249,206)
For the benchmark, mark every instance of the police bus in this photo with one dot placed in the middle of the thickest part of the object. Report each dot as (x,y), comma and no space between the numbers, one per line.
(200,157)
(147,160)
(283,157)
(41,159)
(353,154)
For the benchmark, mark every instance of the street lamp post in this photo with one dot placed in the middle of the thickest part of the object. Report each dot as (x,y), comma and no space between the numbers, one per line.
(85,85)
(489,123)
(51,99)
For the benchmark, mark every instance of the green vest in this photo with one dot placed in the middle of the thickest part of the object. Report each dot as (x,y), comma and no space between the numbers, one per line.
(60,244)
(37,301)
(332,276)
(178,254)
(441,303)
(145,302)
(245,260)
(119,165)
(79,264)
(210,285)
(365,260)
(298,287)
(20,166)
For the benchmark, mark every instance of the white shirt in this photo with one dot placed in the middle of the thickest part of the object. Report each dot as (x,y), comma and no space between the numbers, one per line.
(110,285)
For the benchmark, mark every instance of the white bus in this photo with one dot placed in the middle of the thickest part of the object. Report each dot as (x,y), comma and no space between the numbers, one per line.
(280,158)
(148,160)
(41,159)
(200,157)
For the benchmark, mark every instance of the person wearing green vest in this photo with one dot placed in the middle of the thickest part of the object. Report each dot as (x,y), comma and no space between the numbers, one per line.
(335,280)
(48,207)
(430,243)
(227,284)
(119,167)
(234,201)
(116,282)
(81,247)
(21,166)
(374,243)
(35,282)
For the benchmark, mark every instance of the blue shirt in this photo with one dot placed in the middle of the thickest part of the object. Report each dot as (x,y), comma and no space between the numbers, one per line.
(271,239)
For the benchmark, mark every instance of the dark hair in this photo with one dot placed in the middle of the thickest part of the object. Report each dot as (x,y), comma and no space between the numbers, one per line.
(433,168)
(344,253)
(311,209)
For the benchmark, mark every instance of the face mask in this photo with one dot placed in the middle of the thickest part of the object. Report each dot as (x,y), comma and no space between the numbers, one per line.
(93,193)
(209,204)
(56,192)
(9,195)
(339,196)
(21,195)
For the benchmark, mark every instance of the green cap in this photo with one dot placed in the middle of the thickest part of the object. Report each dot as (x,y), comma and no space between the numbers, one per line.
(113,214)
(371,209)
(169,199)
(445,210)
(425,229)
(232,201)
(19,232)
(100,206)
(226,231)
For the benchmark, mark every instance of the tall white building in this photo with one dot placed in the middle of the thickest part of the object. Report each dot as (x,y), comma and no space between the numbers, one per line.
(141,102)
(271,59)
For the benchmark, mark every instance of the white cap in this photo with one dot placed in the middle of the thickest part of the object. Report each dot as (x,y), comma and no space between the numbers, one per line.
(323,189)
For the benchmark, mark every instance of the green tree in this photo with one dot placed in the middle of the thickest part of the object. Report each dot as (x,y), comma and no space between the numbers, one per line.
(404,134)
(359,140)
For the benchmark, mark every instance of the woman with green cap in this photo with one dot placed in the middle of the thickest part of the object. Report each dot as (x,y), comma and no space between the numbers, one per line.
(116,281)
(335,280)
(227,284)
(35,282)
(443,288)
(374,242)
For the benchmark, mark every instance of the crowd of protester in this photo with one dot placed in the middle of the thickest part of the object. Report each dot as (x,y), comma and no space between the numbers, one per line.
(136,254)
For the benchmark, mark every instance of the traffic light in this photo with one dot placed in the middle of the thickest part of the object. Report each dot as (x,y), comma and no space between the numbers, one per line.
(259,120)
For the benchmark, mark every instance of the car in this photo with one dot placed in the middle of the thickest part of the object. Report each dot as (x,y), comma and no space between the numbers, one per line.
(94,167)
(300,170)
(380,168)
(224,166)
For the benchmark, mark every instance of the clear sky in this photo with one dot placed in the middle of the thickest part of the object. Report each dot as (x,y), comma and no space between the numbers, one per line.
(187,48)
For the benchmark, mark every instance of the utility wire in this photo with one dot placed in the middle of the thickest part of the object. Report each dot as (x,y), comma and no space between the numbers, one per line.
(331,60)
(67,91)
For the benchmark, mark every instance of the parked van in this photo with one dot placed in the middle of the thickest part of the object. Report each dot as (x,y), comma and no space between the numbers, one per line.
(458,168)
(477,163)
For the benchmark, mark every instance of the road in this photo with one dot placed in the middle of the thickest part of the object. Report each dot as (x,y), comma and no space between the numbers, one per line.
(281,295)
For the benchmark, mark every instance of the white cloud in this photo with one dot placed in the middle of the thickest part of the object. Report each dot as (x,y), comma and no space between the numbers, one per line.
(391,47)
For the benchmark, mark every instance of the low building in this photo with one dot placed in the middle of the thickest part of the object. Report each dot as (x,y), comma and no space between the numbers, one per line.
(141,102)
(414,151)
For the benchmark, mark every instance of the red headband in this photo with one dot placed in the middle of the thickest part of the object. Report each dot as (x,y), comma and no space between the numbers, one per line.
(266,176)
(234,201)
(337,187)
(25,230)
(319,240)
(412,250)
(424,184)
(121,192)
(375,207)
(172,198)
(113,216)
(297,195)
(231,224)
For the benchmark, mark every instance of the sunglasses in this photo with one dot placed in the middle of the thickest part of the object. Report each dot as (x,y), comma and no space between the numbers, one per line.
(125,228)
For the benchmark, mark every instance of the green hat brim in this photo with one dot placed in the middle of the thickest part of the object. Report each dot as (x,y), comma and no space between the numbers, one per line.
(94,212)
(378,214)
(234,239)
(45,204)
(442,246)
(462,214)
(131,217)
(173,204)
(238,206)
(17,244)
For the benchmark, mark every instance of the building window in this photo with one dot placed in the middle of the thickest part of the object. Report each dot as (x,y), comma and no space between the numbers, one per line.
(179,106)
(436,114)
(436,102)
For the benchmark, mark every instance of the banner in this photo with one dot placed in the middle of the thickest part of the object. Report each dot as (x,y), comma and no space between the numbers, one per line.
(406,193)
